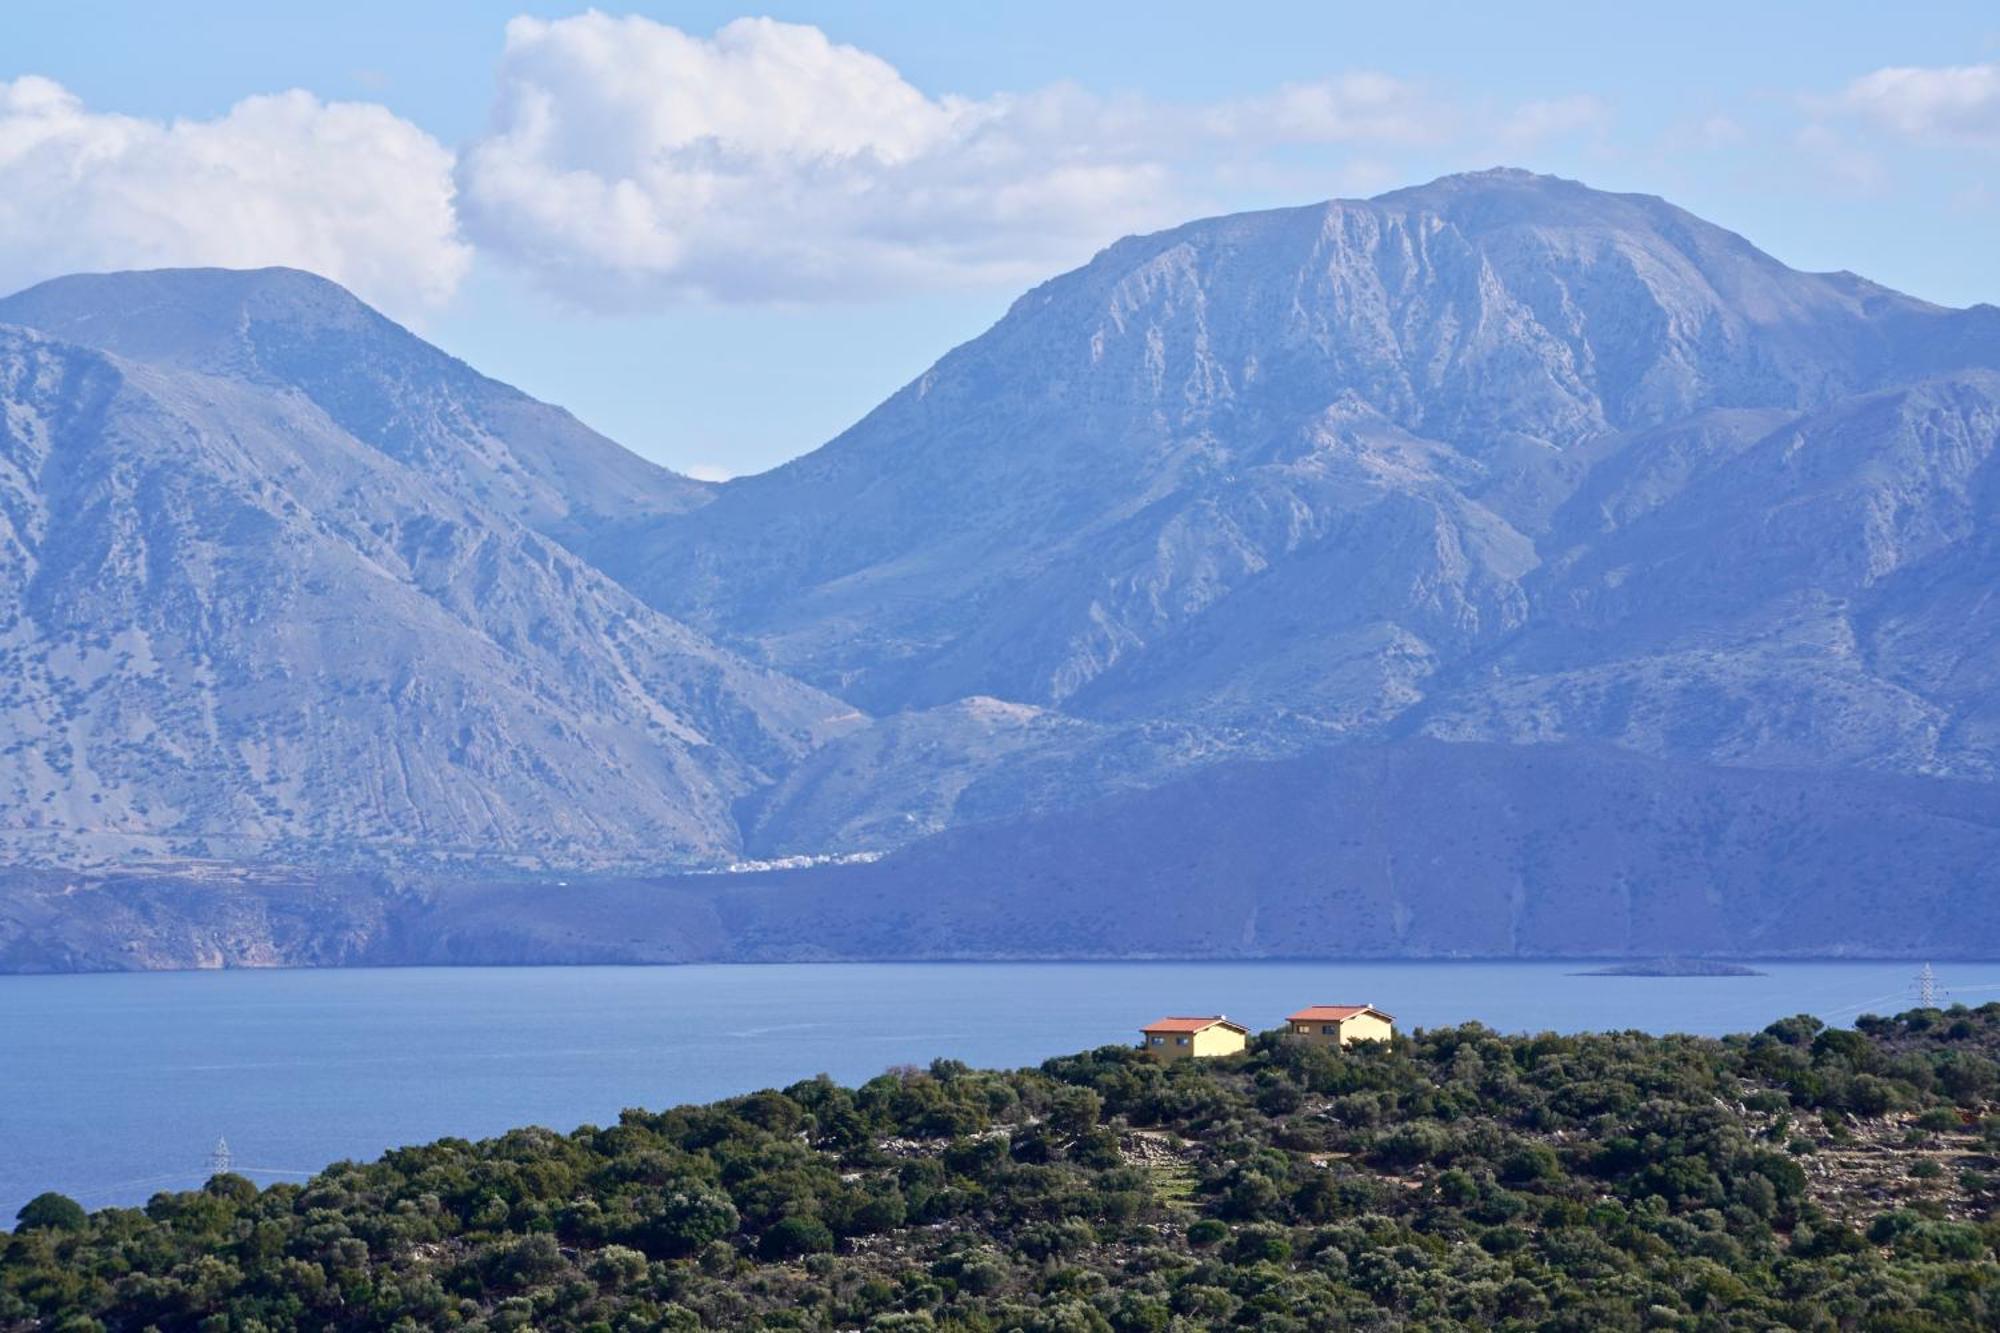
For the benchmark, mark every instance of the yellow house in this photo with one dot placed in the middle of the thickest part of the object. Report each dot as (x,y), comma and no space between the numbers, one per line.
(1193,1038)
(1340,1024)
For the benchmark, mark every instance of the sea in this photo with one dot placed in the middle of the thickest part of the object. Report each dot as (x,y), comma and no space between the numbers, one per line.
(117,1086)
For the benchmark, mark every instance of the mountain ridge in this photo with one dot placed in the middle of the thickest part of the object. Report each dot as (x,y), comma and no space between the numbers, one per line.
(1494,466)
(292,330)
(795,550)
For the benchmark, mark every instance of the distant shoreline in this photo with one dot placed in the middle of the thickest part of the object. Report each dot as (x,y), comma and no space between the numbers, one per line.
(1613,967)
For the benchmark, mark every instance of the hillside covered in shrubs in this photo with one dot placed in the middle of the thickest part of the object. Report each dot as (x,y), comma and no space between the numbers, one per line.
(1803,1177)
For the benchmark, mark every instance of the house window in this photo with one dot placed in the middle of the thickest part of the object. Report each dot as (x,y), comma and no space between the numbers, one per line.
(1156,1041)
(1330,1029)
(1302,1028)
(1180,1041)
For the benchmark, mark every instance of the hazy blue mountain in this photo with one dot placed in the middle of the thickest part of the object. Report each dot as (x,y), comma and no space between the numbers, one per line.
(1413,849)
(232,628)
(1417,849)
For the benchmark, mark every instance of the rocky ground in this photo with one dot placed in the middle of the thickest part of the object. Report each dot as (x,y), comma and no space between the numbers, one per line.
(1858,1168)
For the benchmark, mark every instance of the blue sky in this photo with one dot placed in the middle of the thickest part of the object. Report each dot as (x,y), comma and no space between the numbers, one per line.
(720,242)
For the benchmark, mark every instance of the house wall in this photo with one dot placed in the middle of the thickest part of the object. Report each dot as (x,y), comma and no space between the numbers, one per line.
(1217,1040)
(1361,1027)
(1366,1027)
(1314,1034)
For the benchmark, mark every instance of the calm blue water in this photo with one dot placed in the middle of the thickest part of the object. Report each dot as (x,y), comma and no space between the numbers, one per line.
(113,1087)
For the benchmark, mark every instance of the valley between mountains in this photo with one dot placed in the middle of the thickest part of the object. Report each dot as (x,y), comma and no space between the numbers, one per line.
(1497,567)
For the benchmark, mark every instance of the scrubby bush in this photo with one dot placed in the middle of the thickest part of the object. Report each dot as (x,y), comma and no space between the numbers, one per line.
(51,1212)
(794,1237)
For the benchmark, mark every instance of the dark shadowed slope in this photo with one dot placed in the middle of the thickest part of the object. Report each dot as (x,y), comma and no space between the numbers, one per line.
(1420,849)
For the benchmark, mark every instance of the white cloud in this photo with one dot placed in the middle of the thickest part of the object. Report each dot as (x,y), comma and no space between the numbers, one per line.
(629,163)
(1942,103)
(346,190)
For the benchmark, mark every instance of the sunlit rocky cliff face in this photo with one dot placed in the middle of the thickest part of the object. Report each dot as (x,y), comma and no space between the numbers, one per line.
(251,614)
(1501,457)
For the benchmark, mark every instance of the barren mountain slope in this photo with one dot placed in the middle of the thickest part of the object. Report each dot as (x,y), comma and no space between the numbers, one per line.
(232,629)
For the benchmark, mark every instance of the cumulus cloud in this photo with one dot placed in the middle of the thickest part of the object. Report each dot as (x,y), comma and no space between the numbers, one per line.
(346,190)
(628,162)
(1941,103)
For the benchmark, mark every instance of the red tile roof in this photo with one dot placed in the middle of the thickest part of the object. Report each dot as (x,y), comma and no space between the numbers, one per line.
(1335,1013)
(1191,1024)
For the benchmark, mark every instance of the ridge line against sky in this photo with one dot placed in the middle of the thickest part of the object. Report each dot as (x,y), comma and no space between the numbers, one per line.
(719,237)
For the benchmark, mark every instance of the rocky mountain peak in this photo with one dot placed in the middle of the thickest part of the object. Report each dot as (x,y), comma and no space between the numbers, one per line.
(1475,307)
(1305,471)
(286,330)
(234,628)
(221,321)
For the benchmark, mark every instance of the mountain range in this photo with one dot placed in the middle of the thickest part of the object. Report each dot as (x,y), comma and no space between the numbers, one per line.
(1286,567)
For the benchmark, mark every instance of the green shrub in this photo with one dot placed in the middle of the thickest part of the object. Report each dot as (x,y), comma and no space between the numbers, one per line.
(51,1212)
(1207,1232)
(795,1236)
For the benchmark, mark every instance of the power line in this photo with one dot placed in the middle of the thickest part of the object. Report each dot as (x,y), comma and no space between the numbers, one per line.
(122,1186)
(195,1178)
(274,1171)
